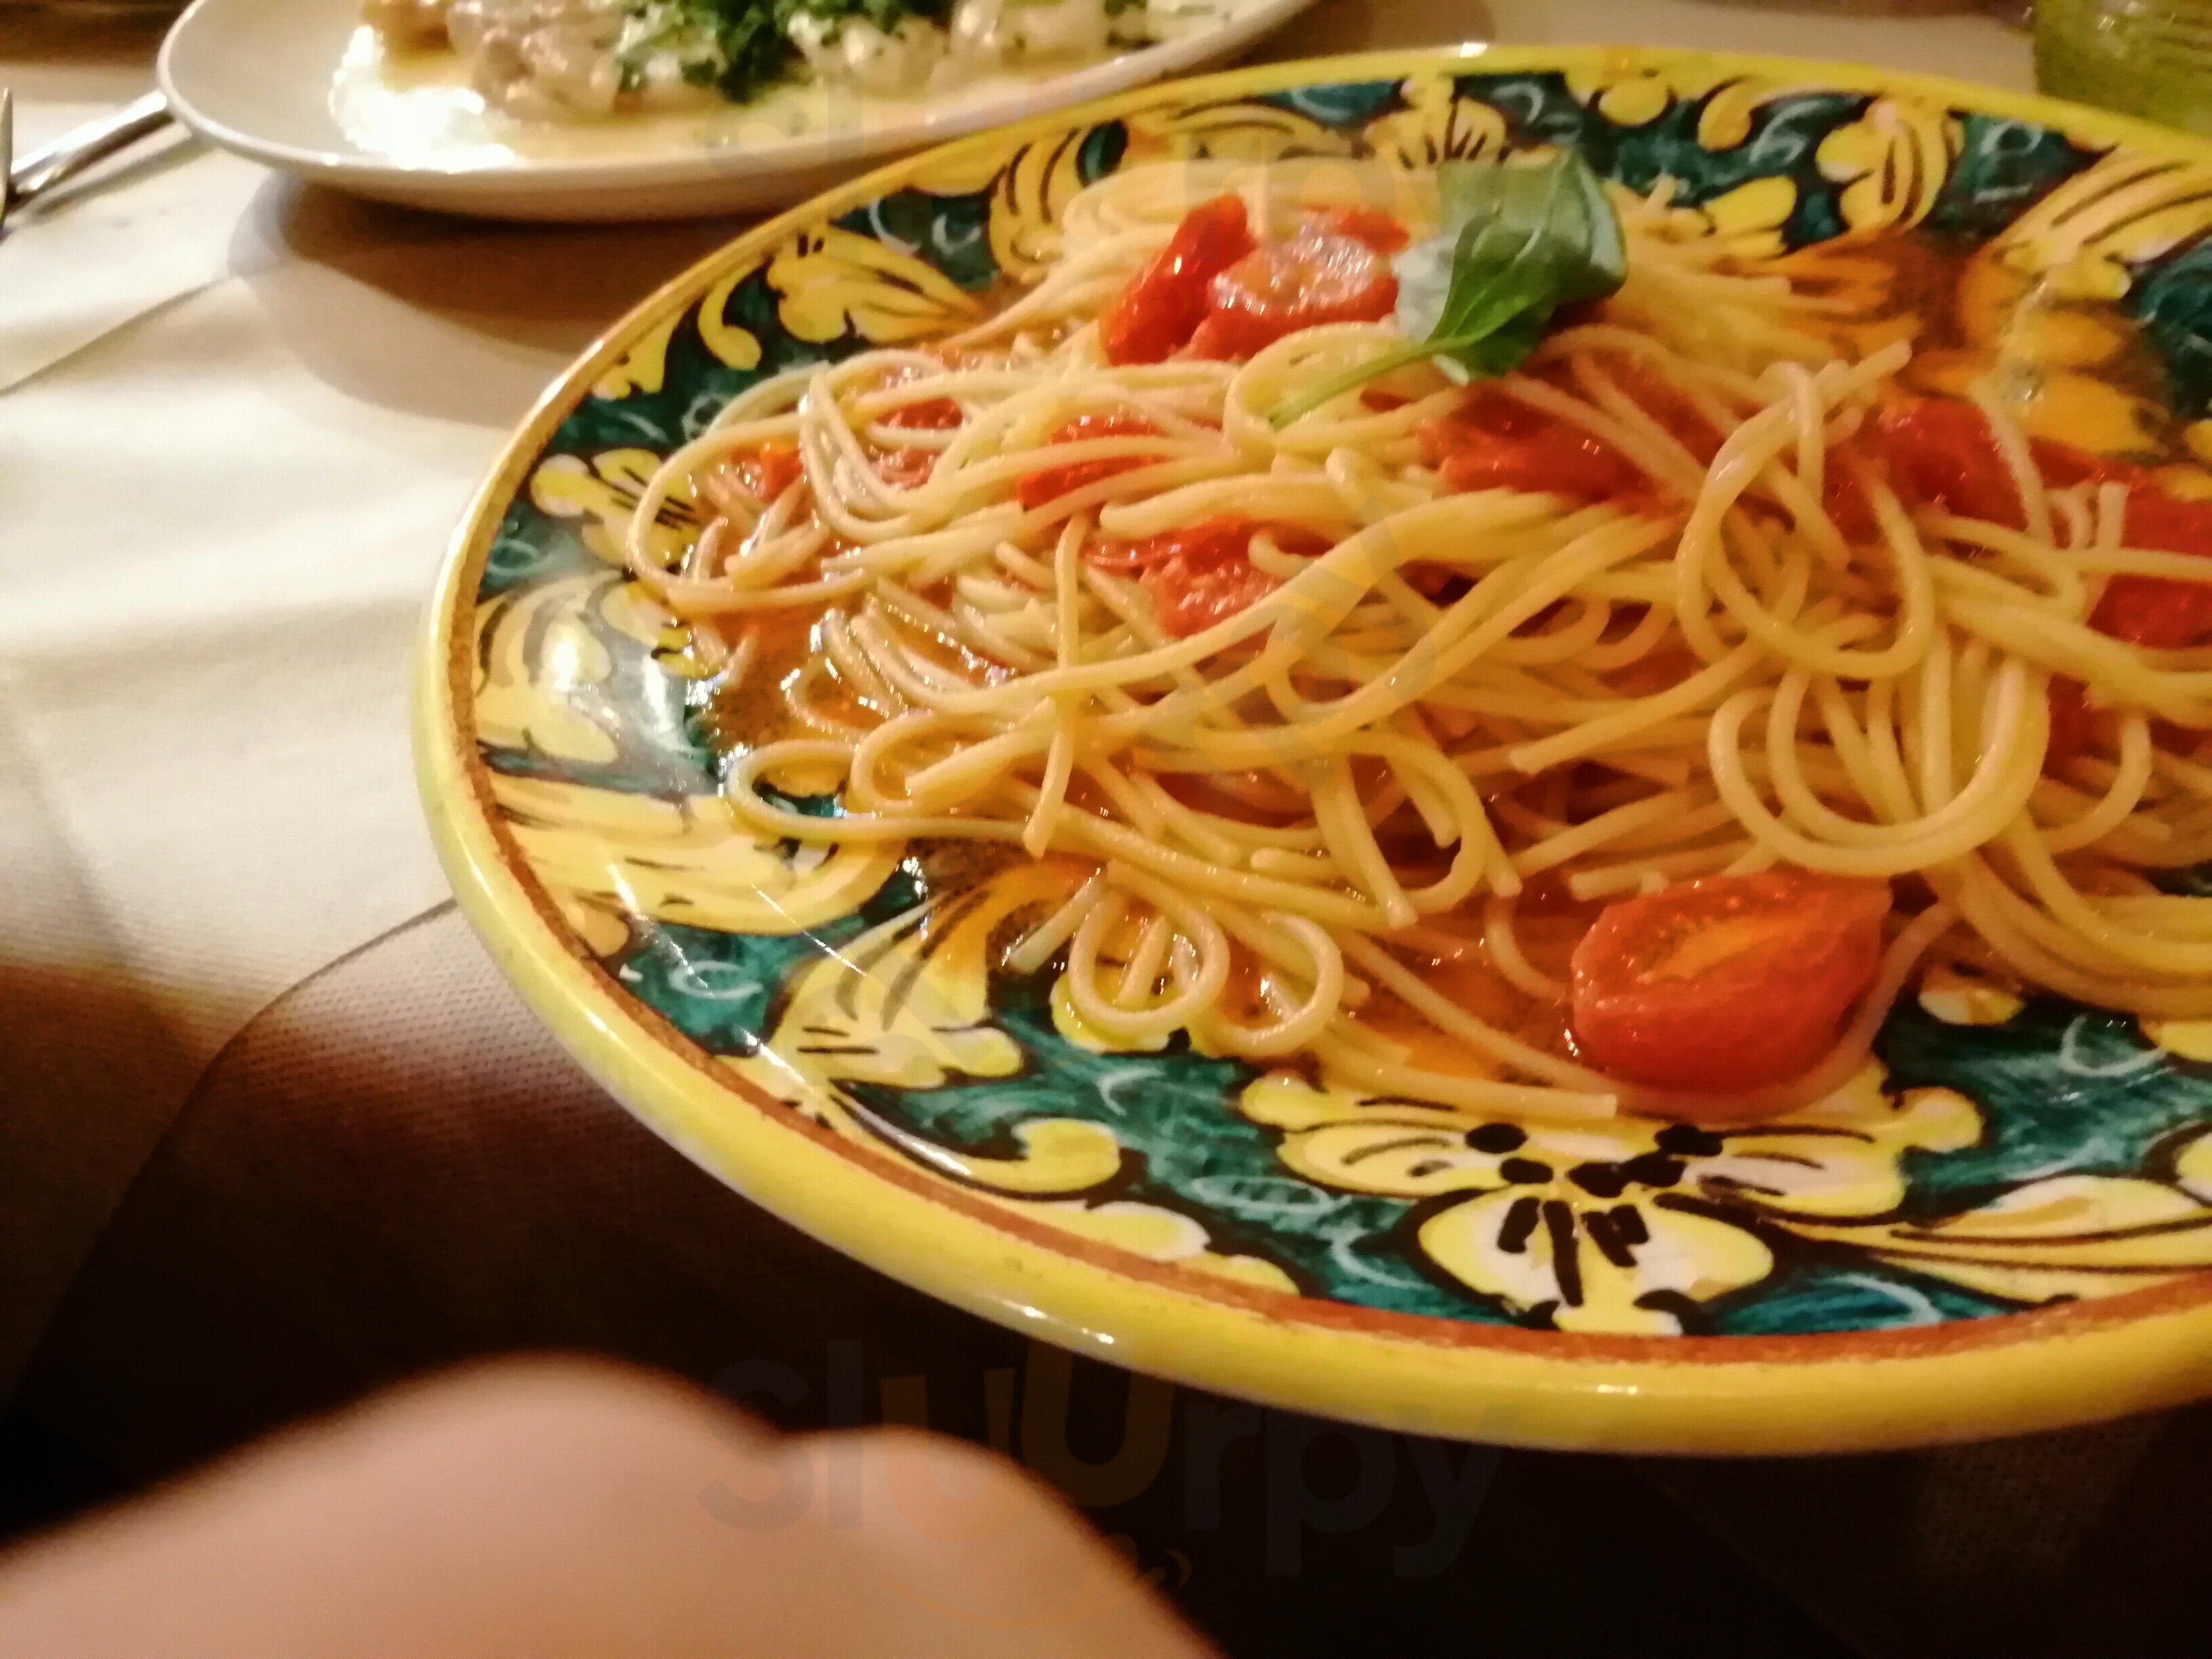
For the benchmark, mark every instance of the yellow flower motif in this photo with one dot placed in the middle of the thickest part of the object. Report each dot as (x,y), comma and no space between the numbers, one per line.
(1891,163)
(1623,1226)
(731,343)
(1228,129)
(534,651)
(907,1006)
(1437,125)
(542,652)
(1631,93)
(1030,183)
(2186,1039)
(643,367)
(604,492)
(2069,1236)
(606,856)
(2188,483)
(1749,218)
(831,282)
(2089,235)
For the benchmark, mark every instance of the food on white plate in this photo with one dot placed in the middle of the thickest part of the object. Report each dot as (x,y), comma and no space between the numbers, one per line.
(571,60)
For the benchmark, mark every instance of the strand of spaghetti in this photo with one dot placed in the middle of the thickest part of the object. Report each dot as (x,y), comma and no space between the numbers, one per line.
(718,598)
(1664,462)
(853,667)
(2029,944)
(1684,470)
(1568,844)
(1460,636)
(1915,591)
(746,800)
(1606,881)
(1745,455)
(2059,570)
(2110,666)
(2129,779)
(1352,843)
(1639,714)
(2012,449)
(1059,766)
(1503,945)
(1310,606)
(797,692)
(1978,814)
(1030,953)
(1203,934)
(1255,891)
(1931,733)
(2122,946)
(1691,375)
(1141,976)
(1296,1025)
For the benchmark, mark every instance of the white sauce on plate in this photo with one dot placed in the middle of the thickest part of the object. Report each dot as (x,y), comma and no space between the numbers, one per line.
(417,109)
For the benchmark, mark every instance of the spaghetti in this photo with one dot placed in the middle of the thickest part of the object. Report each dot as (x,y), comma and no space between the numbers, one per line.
(1325,721)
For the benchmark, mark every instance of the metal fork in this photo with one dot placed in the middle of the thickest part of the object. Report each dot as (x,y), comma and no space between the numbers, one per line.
(74,151)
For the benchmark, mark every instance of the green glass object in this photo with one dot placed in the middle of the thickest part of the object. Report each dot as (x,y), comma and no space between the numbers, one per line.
(2146,57)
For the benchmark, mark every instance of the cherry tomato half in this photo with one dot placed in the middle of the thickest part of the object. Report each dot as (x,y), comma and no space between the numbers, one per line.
(908,466)
(1049,482)
(1161,307)
(930,415)
(1196,575)
(1725,984)
(1317,277)
(1379,230)
(768,471)
(2152,610)
(1940,452)
(1497,442)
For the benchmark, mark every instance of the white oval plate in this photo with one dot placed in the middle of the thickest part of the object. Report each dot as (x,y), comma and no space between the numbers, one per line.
(302,87)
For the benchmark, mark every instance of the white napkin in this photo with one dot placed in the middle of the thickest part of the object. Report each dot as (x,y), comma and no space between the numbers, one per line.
(101,252)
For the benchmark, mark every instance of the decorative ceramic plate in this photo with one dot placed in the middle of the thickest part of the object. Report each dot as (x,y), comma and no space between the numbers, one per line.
(303,87)
(2006,1226)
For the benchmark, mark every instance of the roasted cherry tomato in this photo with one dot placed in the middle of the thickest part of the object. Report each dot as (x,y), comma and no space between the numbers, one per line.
(2152,610)
(1162,305)
(1725,984)
(1052,482)
(930,415)
(1940,452)
(1317,277)
(769,471)
(1378,229)
(1845,503)
(1652,394)
(1497,442)
(908,467)
(1196,575)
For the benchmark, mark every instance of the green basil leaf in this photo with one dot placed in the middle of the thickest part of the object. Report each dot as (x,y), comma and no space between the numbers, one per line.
(1517,243)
